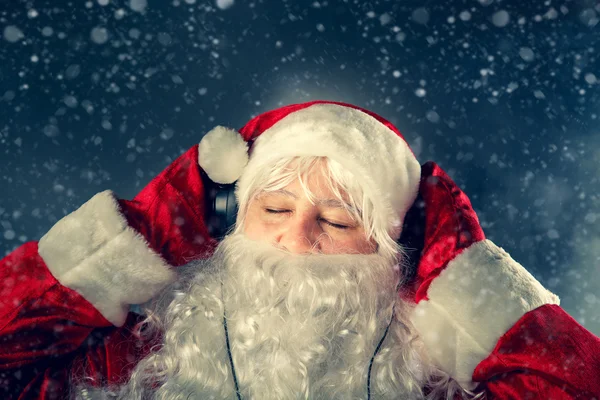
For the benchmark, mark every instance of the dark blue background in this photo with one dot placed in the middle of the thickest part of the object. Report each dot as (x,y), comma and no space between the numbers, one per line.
(510,111)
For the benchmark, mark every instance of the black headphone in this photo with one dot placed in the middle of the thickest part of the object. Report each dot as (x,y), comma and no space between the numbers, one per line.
(222,208)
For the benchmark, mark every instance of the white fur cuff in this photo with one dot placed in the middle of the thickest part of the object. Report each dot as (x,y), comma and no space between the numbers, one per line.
(94,252)
(480,295)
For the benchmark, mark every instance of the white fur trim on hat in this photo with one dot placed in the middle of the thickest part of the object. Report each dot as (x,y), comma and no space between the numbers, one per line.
(96,253)
(480,295)
(223,154)
(379,158)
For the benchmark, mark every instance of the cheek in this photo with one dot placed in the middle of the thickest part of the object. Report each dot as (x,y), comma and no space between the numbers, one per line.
(254,228)
(369,247)
(351,245)
(362,245)
(255,231)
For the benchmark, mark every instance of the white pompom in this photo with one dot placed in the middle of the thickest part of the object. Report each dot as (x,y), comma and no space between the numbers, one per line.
(223,154)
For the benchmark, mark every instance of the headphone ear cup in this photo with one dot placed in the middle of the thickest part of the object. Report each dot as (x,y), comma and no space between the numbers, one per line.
(231,208)
(221,209)
(412,238)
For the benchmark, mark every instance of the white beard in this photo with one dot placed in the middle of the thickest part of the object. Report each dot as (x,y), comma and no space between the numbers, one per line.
(299,326)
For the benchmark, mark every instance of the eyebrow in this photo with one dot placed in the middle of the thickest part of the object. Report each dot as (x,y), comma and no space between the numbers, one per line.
(333,203)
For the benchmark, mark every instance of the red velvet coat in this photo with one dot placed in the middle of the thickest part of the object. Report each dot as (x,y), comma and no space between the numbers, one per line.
(64,302)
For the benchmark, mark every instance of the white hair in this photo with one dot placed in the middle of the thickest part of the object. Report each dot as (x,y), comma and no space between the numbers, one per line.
(337,179)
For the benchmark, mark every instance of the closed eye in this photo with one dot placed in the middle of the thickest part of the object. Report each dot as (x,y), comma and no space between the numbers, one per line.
(334,225)
(272,211)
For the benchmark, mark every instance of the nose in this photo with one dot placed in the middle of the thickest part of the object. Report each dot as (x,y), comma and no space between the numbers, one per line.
(300,235)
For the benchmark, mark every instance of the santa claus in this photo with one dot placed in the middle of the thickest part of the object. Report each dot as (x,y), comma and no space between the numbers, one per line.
(351,272)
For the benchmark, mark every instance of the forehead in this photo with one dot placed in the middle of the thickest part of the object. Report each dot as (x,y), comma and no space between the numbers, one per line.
(298,194)
(316,185)
(321,193)
(313,174)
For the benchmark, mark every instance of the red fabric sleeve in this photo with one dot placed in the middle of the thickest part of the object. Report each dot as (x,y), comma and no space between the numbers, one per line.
(170,212)
(41,322)
(545,355)
(49,333)
(451,226)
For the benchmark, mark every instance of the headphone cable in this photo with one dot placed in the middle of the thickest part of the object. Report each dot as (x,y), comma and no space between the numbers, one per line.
(235,380)
(234,375)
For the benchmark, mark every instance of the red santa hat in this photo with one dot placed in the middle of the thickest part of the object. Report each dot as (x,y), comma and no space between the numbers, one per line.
(375,152)
(369,147)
